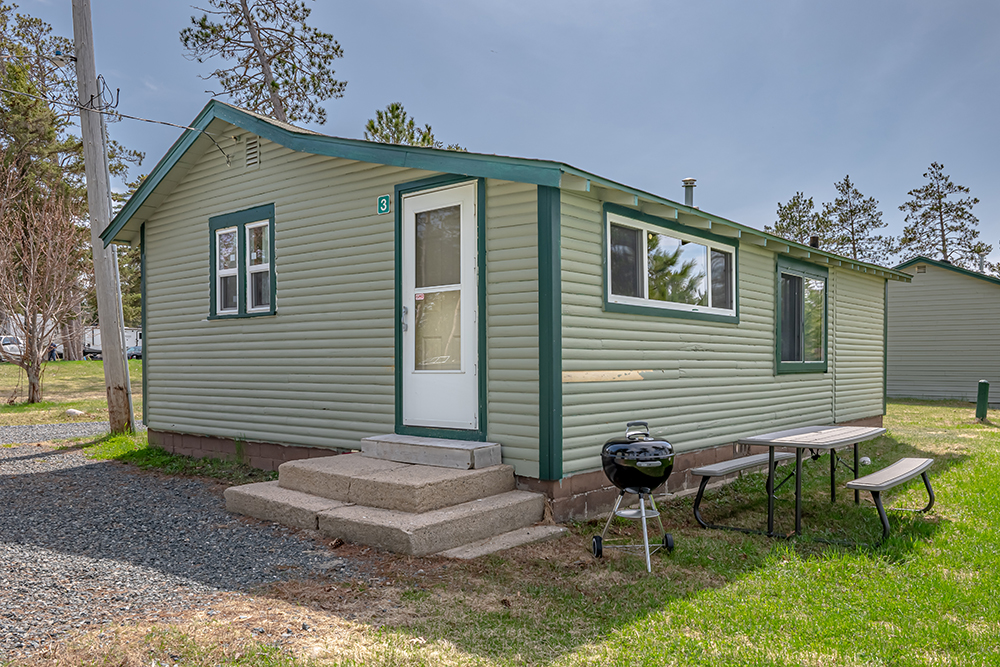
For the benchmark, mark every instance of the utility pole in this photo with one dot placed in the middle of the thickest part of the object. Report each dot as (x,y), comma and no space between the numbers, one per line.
(95,158)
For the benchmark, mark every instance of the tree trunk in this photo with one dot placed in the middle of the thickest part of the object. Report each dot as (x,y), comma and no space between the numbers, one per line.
(34,383)
(276,106)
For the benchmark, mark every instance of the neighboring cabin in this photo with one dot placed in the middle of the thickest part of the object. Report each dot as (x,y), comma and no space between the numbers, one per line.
(302,292)
(943,332)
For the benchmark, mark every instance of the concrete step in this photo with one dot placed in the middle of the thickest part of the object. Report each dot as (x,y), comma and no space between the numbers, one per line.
(436,530)
(514,538)
(391,485)
(268,501)
(440,452)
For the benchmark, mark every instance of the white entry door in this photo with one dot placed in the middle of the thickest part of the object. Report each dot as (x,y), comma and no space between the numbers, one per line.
(440,300)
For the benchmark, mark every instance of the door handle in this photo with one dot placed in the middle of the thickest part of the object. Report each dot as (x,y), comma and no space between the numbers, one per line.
(402,318)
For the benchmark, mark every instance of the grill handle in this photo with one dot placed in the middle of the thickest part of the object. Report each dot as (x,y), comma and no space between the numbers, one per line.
(636,428)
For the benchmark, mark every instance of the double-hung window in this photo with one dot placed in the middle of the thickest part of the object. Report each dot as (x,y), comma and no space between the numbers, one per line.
(801,317)
(242,261)
(662,268)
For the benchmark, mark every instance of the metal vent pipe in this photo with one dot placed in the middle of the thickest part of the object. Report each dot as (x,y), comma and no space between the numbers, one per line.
(688,191)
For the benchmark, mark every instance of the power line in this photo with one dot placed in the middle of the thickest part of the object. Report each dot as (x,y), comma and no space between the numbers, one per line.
(77,105)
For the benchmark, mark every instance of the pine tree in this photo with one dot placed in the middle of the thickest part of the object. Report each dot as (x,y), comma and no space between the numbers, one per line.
(394,126)
(283,66)
(798,221)
(939,226)
(854,222)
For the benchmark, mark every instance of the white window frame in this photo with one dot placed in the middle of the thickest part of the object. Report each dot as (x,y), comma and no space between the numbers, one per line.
(259,268)
(221,273)
(646,229)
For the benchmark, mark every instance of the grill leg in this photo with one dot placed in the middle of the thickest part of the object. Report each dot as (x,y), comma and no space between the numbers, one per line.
(652,503)
(645,535)
(612,515)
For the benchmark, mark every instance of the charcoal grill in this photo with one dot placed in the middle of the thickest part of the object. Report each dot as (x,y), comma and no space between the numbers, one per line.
(637,464)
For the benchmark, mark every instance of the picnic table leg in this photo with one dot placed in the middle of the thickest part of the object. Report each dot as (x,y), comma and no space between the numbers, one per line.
(833,475)
(770,491)
(798,490)
(857,466)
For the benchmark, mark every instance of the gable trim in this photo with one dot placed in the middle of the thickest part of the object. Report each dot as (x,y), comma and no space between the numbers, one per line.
(920,259)
(471,165)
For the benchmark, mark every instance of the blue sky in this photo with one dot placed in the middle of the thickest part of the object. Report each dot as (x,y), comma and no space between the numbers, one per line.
(757,100)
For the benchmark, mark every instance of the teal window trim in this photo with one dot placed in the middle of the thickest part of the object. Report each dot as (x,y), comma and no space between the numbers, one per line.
(142,316)
(788,266)
(401,189)
(240,220)
(643,306)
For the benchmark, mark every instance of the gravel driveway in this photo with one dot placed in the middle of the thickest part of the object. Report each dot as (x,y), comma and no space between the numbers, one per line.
(83,543)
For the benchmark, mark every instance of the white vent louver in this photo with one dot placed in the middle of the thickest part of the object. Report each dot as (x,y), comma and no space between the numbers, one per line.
(253,152)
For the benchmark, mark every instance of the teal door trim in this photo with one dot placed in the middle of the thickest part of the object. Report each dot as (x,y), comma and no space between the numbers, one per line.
(550,454)
(402,189)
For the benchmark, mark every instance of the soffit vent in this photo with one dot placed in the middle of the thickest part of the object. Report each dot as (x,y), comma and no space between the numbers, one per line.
(253,152)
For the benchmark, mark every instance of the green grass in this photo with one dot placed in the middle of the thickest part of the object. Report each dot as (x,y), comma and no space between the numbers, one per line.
(65,384)
(927,596)
(134,449)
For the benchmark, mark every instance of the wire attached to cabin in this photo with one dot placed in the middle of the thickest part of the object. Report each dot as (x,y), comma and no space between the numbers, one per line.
(105,110)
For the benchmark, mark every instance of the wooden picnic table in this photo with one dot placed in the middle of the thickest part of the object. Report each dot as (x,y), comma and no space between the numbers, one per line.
(816,438)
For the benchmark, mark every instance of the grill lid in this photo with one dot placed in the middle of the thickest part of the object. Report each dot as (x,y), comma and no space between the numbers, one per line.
(638,445)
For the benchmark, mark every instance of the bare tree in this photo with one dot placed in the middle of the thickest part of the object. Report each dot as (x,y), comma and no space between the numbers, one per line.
(40,262)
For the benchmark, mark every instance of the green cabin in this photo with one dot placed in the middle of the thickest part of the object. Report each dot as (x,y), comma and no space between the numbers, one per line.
(302,292)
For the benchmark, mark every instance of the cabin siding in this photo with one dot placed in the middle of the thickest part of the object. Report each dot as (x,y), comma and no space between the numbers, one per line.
(320,372)
(512,322)
(703,383)
(943,335)
(857,344)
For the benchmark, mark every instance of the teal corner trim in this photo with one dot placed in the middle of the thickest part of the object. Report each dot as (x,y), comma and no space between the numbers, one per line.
(239,219)
(885,348)
(797,267)
(476,435)
(550,406)
(656,311)
(142,316)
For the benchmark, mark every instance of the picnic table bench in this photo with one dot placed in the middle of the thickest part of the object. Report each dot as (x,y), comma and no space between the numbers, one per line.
(899,472)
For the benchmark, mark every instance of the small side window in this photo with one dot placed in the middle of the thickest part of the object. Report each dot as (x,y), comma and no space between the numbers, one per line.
(801,317)
(243,263)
